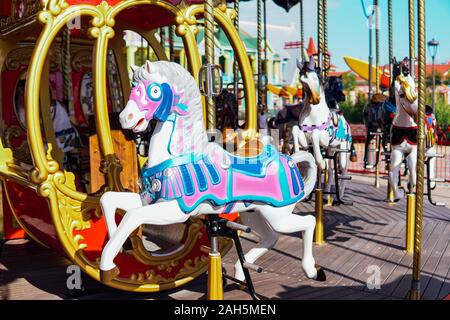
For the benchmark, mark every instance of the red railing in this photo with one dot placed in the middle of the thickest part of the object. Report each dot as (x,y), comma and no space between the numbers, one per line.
(442,164)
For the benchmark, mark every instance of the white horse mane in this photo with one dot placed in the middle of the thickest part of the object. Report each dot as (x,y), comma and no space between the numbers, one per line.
(183,82)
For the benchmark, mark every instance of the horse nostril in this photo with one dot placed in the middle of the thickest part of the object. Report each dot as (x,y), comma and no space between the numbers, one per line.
(130,117)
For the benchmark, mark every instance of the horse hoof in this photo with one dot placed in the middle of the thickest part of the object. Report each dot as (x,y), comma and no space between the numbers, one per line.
(321,276)
(109,275)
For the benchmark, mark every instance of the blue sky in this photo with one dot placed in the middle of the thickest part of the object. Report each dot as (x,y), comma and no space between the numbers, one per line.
(348,33)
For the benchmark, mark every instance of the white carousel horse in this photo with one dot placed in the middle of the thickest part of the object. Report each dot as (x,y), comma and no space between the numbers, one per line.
(188,176)
(319,126)
(404,132)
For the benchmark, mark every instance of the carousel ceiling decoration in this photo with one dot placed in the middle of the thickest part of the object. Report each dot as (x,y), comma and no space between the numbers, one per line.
(15,14)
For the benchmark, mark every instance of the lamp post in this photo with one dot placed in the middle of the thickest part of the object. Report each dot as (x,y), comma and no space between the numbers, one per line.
(433,47)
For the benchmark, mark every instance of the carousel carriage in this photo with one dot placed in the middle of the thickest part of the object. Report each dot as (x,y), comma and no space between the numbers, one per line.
(44,196)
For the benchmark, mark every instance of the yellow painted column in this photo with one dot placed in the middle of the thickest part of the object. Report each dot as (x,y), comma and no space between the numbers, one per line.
(410,221)
(215,287)
(131,51)
(318,235)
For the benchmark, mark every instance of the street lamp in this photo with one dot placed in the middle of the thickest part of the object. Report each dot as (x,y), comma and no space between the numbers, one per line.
(433,47)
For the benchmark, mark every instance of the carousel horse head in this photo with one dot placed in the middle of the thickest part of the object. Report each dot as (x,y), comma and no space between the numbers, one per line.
(406,93)
(334,91)
(309,77)
(405,85)
(155,94)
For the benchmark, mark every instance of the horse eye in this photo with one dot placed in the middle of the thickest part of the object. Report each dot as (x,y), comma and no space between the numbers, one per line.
(154,92)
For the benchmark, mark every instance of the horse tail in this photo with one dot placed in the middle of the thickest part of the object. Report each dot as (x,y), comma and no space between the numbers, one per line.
(308,170)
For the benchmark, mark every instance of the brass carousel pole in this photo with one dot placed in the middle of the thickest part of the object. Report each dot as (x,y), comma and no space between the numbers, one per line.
(377,46)
(326,65)
(326,57)
(318,235)
(320,33)
(258,48)
(66,71)
(235,60)
(215,289)
(391,39)
(412,38)
(377,86)
(415,284)
(265,51)
(390,192)
(302,31)
(171,43)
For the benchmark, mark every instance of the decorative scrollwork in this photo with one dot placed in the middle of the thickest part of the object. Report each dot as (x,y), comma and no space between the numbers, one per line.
(82,59)
(17,57)
(22,152)
(19,16)
(54,6)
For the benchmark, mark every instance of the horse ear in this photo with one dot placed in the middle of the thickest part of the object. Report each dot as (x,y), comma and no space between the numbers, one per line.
(304,55)
(133,68)
(311,63)
(148,66)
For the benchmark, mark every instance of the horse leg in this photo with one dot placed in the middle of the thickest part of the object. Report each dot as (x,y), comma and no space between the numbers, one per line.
(396,162)
(282,220)
(111,201)
(161,213)
(432,165)
(330,180)
(299,139)
(296,137)
(411,161)
(366,147)
(343,164)
(316,137)
(268,238)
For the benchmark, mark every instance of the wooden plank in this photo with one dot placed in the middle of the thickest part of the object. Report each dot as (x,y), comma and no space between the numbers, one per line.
(399,264)
(427,250)
(435,284)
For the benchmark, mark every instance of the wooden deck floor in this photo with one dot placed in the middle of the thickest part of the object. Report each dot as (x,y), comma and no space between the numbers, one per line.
(369,233)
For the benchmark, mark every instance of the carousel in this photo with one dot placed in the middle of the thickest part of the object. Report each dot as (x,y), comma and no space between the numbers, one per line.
(120,168)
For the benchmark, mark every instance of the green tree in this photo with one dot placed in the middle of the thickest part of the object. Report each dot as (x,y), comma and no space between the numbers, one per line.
(349,81)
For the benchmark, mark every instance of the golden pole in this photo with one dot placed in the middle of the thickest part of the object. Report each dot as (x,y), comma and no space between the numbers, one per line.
(377,47)
(410,207)
(415,284)
(320,32)
(215,289)
(171,43)
(302,30)
(258,48)
(326,58)
(235,60)
(209,55)
(390,191)
(412,37)
(391,41)
(318,235)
